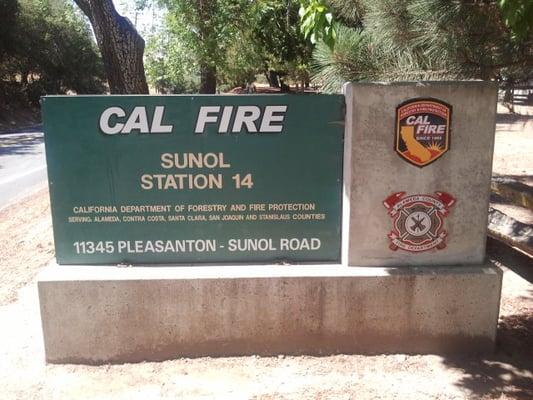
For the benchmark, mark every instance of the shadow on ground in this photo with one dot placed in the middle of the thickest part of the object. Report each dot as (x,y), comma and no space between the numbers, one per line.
(22,128)
(508,373)
(518,182)
(510,118)
(25,144)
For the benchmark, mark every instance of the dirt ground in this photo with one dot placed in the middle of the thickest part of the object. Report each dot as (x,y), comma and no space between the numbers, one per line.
(507,374)
(23,250)
(27,245)
(513,147)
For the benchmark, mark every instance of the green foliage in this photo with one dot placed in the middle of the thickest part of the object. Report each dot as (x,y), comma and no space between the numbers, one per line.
(9,11)
(518,16)
(242,64)
(347,12)
(170,66)
(206,28)
(278,37)
(423,39)
(238,38)
(53,51)
(195,34)
(352,56)
(317,22)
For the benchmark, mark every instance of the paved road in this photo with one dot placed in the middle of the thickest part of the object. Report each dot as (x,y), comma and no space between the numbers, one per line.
(22,165)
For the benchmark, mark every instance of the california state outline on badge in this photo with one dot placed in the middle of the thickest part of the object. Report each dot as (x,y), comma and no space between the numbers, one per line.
(418,220)
(422,130)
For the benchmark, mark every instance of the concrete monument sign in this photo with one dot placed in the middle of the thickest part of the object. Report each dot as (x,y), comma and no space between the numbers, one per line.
(417,166)
(186,179)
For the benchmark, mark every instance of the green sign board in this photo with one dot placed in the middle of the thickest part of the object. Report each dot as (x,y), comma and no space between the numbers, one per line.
(195,179)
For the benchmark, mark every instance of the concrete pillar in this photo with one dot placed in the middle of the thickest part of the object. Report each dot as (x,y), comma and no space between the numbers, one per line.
(374,171)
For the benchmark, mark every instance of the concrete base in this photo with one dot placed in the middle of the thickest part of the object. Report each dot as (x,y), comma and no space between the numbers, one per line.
(96,314)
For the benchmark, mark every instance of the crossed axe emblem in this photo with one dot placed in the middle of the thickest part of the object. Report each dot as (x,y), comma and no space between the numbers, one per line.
(396,202)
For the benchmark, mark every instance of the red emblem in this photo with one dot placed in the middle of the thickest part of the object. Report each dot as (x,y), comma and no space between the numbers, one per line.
(418,220)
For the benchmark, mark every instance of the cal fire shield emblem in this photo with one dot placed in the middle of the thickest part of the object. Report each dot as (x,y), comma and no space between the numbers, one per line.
(422,130)
(418,220)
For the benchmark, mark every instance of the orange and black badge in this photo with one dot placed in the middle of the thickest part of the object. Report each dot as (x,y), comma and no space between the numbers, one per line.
(422,130)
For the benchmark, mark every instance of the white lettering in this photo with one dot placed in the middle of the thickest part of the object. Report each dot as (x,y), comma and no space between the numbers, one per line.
(157,126)
(269,117)
(104,120)
(204,117)
(246,115)
(137,120)
(226,117)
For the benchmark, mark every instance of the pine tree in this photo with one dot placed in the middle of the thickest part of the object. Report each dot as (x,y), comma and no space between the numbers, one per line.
(422,40)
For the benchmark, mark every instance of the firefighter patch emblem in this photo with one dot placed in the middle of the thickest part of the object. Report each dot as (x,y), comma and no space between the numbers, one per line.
(422,130)
(418,220)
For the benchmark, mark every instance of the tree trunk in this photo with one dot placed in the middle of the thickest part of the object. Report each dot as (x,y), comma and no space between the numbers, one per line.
(208,79)
(24,78)
(208,72)
(274,79)
(121,47)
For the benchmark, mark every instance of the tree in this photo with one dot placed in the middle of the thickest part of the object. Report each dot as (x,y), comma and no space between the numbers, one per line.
(231,41)
(122,48)
(9,11)
(170,65)
(518,16)
(52,52)
(207,28)
(283,46)
(422,39)
(317,22)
